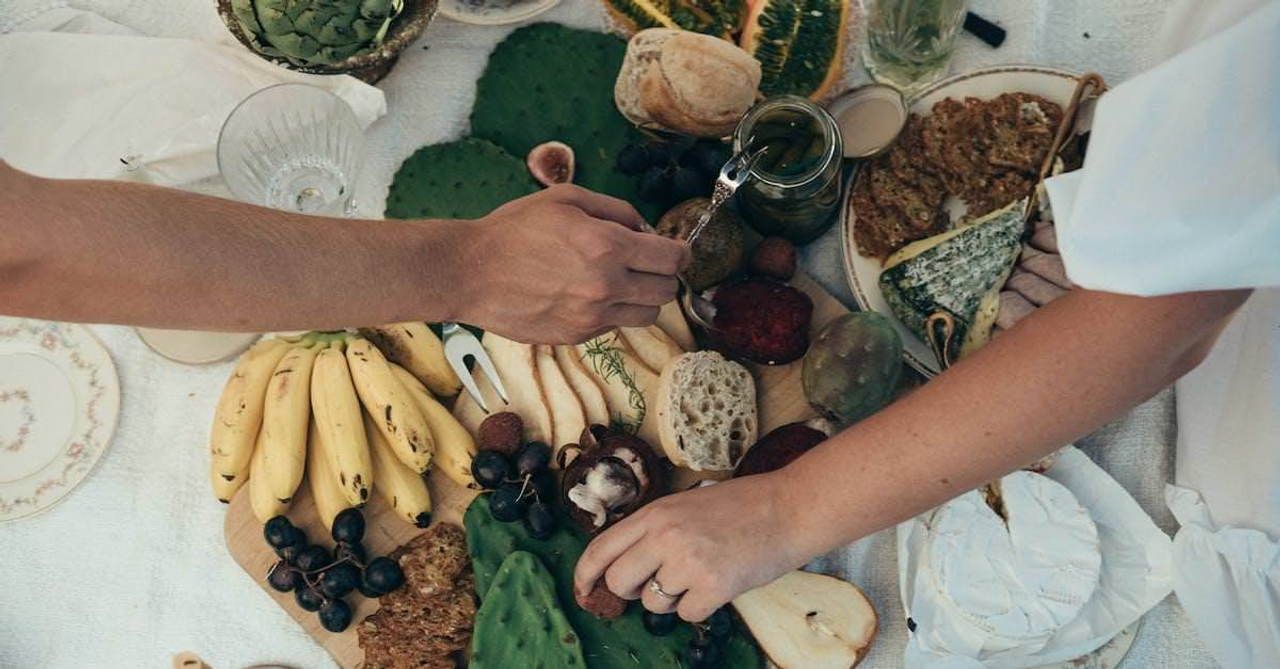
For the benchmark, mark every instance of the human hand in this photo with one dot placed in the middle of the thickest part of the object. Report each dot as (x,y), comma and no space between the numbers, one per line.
(707,545)
(566,264)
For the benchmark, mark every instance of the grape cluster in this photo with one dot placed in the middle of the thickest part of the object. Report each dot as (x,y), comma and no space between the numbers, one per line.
(523,486)
(705,648)
(319,580)
(672,171)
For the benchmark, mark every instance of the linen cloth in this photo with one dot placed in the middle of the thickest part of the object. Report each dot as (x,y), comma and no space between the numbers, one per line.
(133,567)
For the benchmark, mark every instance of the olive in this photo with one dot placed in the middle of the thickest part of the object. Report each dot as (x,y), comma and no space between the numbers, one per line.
(720,624)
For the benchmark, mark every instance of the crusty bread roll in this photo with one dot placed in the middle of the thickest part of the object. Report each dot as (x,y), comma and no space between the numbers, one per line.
(706,411)
(686,82)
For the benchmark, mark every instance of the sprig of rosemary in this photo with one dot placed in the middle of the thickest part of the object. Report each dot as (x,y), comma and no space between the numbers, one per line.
(609,364)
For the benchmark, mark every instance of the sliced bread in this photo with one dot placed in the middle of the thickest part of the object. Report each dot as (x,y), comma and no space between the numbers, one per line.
(706,411)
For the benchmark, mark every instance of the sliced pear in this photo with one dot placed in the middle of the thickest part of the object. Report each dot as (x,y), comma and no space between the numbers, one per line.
(568,418)
(671,320)
(652,346)
(516,365)
(602,356)
(584,384)
(809,621)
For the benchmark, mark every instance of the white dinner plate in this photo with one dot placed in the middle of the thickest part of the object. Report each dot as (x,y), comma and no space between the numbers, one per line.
(494,12)
(59,400)
(864,273)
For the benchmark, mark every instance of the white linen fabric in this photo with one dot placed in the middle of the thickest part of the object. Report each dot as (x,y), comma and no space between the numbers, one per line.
(1181,192)
(133,567)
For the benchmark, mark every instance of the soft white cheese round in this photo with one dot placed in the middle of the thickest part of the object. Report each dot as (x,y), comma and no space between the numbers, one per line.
(1011,583)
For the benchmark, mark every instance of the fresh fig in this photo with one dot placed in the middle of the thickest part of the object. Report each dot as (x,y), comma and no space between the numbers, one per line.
(719,249)
(551,163)
(613,475)
(762,320)
(854,367)
(601,602)
(773,258)
(778,449)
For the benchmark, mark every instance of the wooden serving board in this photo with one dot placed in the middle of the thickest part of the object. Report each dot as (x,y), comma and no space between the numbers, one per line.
(780,400)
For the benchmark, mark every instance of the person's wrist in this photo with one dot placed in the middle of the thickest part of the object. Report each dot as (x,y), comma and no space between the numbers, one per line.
(443,270)
(794,507)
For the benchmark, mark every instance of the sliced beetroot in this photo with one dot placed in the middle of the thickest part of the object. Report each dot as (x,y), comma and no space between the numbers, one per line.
(778,449)
(762,320)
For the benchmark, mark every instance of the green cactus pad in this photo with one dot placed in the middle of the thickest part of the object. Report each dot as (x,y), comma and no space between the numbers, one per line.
(464,179)
(853,367)
(547,82)
(621,643)
(522,624)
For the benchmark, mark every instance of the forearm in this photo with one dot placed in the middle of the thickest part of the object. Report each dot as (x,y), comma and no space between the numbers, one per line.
(1083,360)
(112,252)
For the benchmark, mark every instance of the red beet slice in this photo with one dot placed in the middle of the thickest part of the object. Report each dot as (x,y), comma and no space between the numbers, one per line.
(762,320)
(778,449)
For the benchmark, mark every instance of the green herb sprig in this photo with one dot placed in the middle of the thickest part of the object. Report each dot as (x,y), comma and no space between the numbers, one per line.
(607,360)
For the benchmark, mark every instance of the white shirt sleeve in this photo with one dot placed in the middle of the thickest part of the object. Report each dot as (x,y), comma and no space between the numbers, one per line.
(1181,185)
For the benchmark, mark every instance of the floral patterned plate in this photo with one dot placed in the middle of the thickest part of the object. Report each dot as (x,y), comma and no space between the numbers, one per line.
(494,12)
(59,399)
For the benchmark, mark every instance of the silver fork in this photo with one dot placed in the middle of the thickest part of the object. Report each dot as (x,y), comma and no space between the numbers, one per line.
(734,173)
(459,344)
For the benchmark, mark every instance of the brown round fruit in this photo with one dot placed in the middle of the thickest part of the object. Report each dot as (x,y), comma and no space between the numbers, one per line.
(502,432)
(773,258)
(551,163)
(601,602)
(719,249)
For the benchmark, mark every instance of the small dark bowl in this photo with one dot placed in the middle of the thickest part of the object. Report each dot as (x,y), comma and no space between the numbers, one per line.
(368,66)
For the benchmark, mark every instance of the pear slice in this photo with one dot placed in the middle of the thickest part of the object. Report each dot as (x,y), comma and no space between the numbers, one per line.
(584,385)
(809,621)
(516,365)
(652,346)
(568,419)
(630,388)
(671,320)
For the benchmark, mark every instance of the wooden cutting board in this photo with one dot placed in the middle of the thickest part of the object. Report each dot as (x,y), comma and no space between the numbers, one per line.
(779,395)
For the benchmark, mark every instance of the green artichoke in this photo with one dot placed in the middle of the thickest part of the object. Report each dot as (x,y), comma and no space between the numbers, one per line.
(313,33)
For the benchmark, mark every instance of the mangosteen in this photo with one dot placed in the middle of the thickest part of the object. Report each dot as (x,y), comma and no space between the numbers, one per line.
(613,475)
(551,163)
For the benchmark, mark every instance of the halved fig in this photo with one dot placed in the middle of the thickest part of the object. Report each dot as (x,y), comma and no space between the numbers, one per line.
(551,163)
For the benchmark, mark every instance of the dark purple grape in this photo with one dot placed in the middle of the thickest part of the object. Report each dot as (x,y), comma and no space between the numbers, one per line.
(632,159)
(490,469)
(540,521)
(290,553)
(284,578)
(354,552)
(545,487)
(532,458)
(506,503)
(348,526)
(383,575)
(279,532)
(365,590)
(688,183)
(709,158)
(335,615)
(720,624)
(703,654)
(660,624)
(340,579)
(308,598)
(659,154)
(655,184)
(313,558)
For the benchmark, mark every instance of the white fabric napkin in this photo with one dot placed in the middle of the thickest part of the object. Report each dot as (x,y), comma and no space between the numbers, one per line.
(1136,574)
(118,106)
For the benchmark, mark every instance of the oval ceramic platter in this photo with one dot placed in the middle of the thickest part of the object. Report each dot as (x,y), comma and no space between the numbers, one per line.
(864,273)
(494,12)
(59,399)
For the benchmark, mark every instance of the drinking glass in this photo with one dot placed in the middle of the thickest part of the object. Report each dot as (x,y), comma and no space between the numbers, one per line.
(294,147)
(910,41)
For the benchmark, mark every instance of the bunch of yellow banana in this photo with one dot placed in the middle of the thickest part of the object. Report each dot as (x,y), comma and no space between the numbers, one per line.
(331,408)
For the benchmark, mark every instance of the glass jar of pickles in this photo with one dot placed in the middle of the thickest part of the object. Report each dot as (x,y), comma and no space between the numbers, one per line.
(794,189)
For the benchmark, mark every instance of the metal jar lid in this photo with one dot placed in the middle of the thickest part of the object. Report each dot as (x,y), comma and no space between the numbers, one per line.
(870,118)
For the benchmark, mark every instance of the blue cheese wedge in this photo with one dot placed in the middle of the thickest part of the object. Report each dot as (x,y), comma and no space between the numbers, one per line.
(958,272)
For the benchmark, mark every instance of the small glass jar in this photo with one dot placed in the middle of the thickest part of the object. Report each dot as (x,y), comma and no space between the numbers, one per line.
(794,189)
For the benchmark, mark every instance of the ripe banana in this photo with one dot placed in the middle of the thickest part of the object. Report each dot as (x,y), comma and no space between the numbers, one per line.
(394,412)
(404,489)
(285,416)
(225,489)
(454,445)
(416,348)
(265,505)
(238,418)
(325,489)
(337,412)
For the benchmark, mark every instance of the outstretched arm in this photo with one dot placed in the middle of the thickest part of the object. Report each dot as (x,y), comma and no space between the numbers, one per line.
(557,266)
(1083,360)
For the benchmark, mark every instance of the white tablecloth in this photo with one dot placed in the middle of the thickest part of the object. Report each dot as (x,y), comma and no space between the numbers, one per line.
(133,568)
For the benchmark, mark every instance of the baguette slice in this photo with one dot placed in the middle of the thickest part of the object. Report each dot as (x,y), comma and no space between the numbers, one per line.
(706,411)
